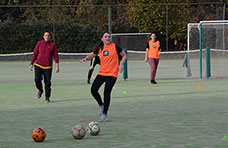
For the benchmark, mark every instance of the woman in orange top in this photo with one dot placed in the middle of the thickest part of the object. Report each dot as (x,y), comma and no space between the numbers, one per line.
(152,56)
(108,53)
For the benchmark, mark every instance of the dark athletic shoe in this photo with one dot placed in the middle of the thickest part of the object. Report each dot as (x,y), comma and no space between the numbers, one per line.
(47,100)
(153,82)
(39,94)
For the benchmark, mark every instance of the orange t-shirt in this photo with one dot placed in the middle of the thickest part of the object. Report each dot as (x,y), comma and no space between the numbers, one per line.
(153,49)
(109,61)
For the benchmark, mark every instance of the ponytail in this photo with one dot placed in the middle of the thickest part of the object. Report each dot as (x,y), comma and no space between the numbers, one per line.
(99,46)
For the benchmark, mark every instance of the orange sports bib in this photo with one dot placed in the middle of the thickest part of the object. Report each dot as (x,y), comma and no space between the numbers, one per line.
(154,49)
(109,61)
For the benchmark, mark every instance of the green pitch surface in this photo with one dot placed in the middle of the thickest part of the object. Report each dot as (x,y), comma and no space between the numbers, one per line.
(172,114)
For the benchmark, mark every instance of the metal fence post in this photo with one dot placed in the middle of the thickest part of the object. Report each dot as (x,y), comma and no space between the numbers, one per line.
(167,37)
(125,75)
(109,19)
(224,11)
(200,54)
(208,62)
(53,22)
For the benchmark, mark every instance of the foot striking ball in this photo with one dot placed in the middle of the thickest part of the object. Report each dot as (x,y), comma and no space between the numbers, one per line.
(78,131)
(38,135)
(93,128)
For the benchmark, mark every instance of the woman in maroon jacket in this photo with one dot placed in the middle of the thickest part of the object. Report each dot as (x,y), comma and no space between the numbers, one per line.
(43,54)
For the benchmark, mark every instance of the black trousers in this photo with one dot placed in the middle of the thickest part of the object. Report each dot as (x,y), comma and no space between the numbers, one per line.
(109,83)
(47,73)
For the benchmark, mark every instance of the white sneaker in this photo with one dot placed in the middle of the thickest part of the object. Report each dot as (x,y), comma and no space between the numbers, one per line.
(103,118)
(101,109)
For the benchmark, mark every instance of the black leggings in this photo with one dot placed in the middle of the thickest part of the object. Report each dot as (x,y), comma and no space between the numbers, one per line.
(47,79)
(109,83)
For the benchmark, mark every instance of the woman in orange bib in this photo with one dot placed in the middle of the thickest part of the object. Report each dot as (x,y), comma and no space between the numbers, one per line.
(152,56)
(109,67)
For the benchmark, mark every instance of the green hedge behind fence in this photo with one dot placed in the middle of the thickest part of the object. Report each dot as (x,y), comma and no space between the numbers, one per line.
(69,37)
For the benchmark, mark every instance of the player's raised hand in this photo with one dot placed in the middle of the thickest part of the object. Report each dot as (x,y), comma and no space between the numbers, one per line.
(83,60)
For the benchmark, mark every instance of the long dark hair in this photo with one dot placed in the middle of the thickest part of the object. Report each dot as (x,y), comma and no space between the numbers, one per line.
(155,35)
(100,44)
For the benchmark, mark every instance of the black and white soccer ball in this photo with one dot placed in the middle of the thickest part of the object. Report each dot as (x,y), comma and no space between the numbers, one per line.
(78,131)
(93,128)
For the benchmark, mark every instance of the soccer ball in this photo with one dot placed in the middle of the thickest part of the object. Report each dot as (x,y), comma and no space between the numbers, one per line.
(38,135)
(78,131)
(93,128)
